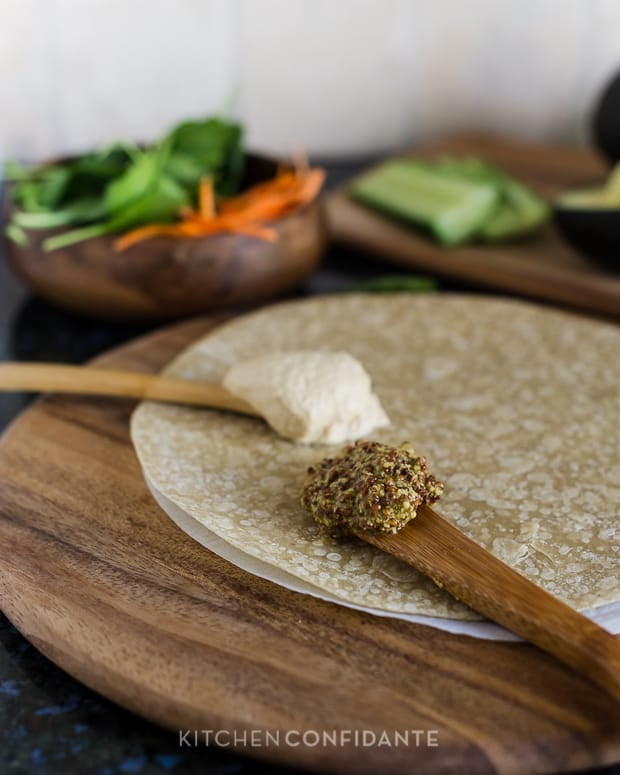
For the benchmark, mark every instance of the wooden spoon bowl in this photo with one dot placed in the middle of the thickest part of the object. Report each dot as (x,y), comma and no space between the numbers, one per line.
(167,278)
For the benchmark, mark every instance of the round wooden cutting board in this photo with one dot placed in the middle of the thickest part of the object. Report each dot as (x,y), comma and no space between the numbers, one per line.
(103,583)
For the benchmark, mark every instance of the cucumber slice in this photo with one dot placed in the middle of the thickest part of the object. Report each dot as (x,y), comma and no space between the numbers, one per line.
(468,168)
(519,209)
(453,209)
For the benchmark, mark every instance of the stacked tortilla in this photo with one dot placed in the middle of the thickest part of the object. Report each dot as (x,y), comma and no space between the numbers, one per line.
(516,408)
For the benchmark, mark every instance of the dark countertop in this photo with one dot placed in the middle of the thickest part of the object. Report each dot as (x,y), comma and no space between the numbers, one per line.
(50,723)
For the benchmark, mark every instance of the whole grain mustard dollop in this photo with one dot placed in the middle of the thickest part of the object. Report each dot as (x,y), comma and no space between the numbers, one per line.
(369,488)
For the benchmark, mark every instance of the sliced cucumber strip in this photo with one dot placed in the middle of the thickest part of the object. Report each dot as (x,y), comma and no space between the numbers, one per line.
(457,199)
(453,209)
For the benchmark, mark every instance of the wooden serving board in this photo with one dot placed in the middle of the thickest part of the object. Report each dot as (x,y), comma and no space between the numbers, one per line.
(542,266)
(103,583)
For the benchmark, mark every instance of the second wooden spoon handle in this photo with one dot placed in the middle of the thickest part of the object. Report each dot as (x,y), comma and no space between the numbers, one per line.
(89,380)
(474,576)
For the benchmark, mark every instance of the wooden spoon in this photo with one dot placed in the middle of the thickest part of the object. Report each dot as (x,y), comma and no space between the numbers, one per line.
(429,543)
(475,577)
(128,384)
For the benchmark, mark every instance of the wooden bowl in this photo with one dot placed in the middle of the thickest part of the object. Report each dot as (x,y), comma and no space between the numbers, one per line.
(166,278)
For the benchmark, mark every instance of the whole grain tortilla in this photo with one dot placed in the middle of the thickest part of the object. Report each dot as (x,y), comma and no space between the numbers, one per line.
(516,408)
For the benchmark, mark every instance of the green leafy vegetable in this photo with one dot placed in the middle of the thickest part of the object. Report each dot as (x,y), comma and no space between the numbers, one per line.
(122,187)
(394,284)
(82,211)
(213,145)
(16,234)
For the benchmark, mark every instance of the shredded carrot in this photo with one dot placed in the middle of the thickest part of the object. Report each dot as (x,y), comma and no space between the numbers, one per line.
(248,213)
(206,199)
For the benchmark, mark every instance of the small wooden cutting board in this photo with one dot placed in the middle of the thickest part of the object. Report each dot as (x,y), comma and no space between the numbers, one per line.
(103,583)
(542,266)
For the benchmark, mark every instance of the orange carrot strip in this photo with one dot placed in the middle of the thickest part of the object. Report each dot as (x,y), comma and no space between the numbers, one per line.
(281,183)
(244,214)
(146,232)
(312,184)
(206,198)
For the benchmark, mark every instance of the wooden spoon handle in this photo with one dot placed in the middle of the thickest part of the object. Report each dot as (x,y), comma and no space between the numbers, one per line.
(108,382)
(470,573)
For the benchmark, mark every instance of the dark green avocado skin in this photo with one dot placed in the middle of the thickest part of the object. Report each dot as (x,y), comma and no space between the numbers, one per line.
(606,121)
(594,233)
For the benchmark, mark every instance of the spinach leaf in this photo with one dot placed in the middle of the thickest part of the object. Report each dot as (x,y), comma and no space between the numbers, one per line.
(143,194)
(47,187)
(122,186)
(82,211)
(212,147)
(90,173)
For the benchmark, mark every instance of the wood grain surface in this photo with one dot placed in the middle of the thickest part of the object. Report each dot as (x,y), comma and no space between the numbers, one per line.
(541,266)
(477,578)
(103,583)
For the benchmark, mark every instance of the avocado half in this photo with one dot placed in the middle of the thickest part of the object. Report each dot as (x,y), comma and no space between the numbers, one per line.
(589,219)
(593,233)
(606,121)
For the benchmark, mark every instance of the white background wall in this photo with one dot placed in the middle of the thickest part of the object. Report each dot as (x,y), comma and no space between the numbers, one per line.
(344,77)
